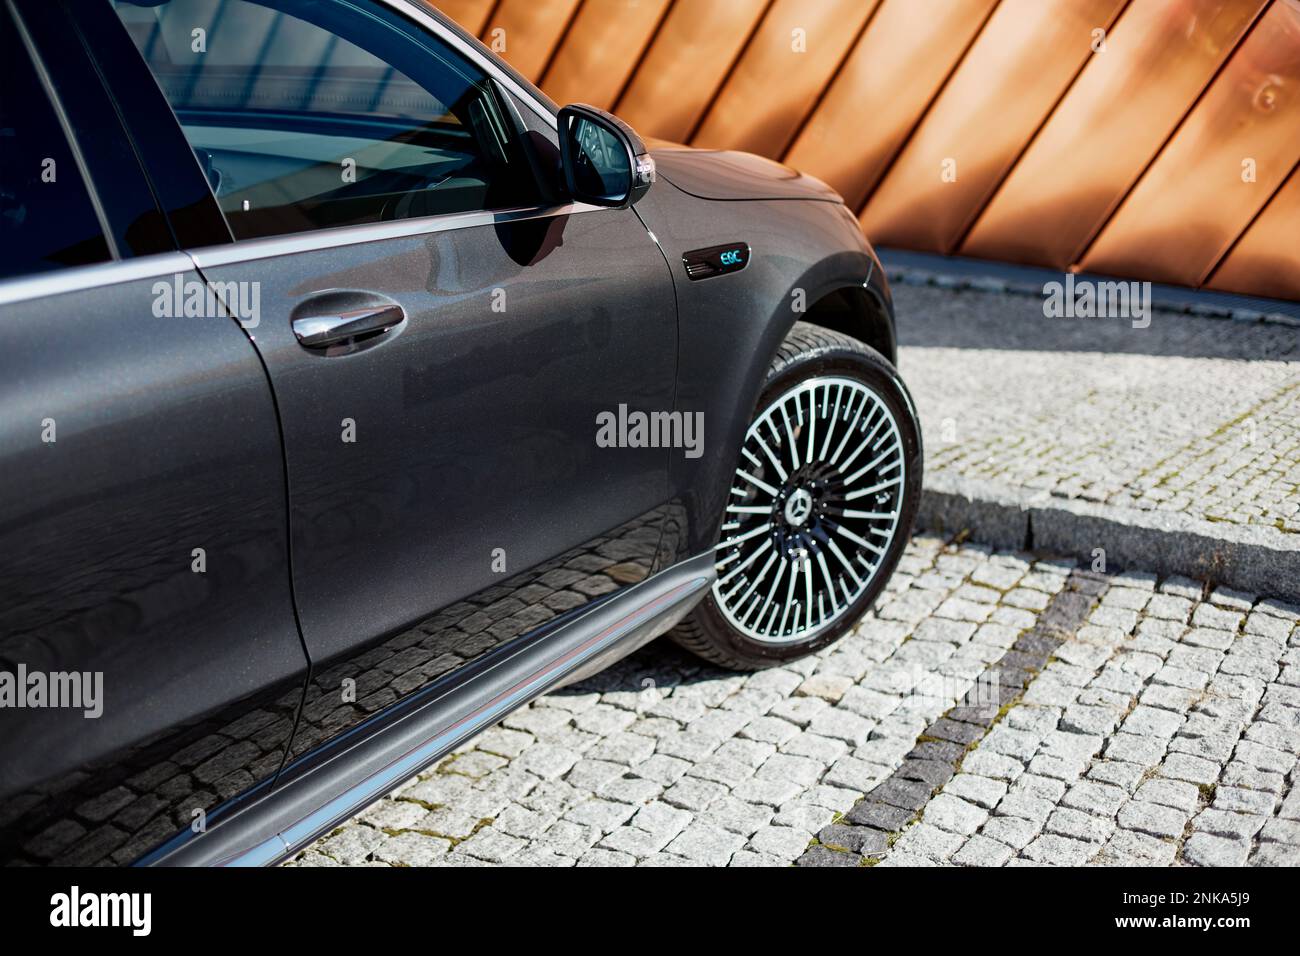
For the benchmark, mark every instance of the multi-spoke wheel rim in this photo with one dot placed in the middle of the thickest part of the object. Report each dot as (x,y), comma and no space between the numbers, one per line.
(813,509)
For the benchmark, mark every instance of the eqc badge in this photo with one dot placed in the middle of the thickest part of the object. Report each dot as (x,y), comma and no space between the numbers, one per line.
(716,260)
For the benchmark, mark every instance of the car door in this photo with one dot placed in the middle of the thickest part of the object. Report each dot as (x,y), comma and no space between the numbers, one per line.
(441,332)
(150,666)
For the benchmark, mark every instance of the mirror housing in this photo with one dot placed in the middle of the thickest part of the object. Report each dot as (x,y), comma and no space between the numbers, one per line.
(605,162)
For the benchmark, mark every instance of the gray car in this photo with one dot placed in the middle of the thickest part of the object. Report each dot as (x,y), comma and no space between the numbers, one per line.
(353,395)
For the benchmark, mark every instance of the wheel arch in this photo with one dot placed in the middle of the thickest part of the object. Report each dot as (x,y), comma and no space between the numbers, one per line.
(851,297)
(856,312)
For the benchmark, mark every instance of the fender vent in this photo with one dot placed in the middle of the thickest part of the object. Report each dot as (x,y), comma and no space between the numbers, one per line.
(716,260)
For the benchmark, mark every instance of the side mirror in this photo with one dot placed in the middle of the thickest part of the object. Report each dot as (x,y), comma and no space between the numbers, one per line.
(605,162)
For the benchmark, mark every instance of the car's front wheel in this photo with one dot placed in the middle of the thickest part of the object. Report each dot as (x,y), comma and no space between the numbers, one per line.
(820,508)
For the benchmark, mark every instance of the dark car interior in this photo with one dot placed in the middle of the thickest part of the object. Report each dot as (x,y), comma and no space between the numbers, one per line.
(305,130)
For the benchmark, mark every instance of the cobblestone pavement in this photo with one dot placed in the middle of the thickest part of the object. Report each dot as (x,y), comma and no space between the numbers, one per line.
(996,708)
(1193,415)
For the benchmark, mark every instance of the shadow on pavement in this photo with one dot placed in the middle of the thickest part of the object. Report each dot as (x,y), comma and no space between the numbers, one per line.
(933,317)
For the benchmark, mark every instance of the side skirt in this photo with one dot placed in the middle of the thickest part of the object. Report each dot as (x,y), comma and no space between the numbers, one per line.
(370,762)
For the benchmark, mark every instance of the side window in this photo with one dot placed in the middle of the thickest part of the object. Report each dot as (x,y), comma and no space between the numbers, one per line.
(47,219)
(316,113)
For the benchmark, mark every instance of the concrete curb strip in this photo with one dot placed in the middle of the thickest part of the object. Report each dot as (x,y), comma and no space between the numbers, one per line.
(1259,559)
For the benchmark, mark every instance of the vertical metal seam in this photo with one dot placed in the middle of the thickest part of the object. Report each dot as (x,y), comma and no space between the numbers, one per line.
(1208,275)
(991,194)
(640,58)
(731,69)
(1118,204)
(482,32)
(820,98)
(559,43)
(916,124)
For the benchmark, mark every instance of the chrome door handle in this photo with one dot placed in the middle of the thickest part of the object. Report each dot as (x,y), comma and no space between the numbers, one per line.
(322,331)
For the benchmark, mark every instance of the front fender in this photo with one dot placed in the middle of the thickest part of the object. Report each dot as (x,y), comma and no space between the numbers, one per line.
(729,326)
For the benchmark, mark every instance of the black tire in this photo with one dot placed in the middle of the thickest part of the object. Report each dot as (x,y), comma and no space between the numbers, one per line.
(810,362)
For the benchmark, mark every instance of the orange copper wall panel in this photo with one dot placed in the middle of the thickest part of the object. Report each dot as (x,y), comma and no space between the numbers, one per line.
(1263,261)
(470,14)
(1022,63)
(883,88)
(532,30)
(1159,57)
(785,67)
(1191,203)
(601,49)
(686,64)
(1126,160)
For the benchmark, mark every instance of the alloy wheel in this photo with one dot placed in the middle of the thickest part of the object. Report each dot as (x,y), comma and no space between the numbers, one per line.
(813,509)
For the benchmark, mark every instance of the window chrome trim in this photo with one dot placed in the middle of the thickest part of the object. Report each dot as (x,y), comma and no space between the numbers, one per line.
(69,135)
(248,250)
(80,278)
(413,11)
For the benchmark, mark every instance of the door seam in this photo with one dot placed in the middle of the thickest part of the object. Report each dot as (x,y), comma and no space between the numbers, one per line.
(288,517)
